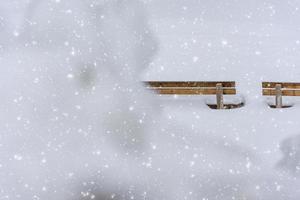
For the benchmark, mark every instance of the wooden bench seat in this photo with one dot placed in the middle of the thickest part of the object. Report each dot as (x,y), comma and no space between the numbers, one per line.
(218,88)
(279,89)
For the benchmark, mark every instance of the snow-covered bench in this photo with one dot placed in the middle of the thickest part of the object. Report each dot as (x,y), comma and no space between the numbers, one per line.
(279,89)
(218,88)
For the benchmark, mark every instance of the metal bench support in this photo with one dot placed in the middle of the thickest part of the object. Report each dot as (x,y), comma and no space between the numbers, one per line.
(278,100)
(219,92)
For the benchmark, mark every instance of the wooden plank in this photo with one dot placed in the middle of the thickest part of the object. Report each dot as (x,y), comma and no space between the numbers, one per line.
(191,91)
(272,92)
(283,85)
(189,83)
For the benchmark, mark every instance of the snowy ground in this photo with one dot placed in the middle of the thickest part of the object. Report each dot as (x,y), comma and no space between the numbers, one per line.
(248,42)
(77,124)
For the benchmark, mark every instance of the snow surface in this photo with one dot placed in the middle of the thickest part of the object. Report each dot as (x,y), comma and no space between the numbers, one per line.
(77,124)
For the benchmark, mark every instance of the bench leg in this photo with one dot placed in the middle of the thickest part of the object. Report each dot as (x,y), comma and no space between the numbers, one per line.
(278,96)
(219,93)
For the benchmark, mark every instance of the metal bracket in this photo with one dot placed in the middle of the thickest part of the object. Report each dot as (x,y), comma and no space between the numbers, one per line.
(278,98)
(219,93)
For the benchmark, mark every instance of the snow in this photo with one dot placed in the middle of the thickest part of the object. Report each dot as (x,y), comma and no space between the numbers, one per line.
(77,123)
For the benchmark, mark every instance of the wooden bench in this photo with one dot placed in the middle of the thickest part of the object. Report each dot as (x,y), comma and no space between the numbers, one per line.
(279,89)
(219,88)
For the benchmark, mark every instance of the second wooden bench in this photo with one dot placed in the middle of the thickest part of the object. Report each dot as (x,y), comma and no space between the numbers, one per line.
(279,89)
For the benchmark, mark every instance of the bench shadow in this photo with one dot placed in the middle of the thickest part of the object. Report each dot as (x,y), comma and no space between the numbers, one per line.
(230,102)
(227,106)
(284,106)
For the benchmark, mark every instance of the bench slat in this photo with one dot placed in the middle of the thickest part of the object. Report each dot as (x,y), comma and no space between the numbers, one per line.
(283,85)
(272,92)
(195,91)
(189,83)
